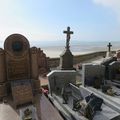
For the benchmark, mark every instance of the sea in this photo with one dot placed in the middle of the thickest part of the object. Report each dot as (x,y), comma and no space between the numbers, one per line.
(53,48)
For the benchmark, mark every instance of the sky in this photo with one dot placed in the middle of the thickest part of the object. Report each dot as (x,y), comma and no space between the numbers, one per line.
(91,20)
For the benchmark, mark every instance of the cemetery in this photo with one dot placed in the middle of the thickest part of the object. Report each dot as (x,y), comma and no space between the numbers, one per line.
(99,95)
(20,89)
(21,93)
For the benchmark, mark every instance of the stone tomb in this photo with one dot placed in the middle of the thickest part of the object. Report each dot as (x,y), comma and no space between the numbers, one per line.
(78,95)
(59,78)
(66,58)
(93,74)
(20,67)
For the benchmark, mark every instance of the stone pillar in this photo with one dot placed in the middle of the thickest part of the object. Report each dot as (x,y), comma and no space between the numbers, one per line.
(34,68)
(42,63)
(34,63)
(3,88)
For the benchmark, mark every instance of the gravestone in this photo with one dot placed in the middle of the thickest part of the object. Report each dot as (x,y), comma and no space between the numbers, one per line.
(114,70)
(66,58)
(106,63)
(59,78)
(93,74)
(109,53)
(20,68)
(19,64)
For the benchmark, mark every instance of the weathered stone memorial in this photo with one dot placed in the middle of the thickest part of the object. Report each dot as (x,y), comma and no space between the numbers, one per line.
(20,67)
(93,75)
(106,63)
(59,78)
(66,58)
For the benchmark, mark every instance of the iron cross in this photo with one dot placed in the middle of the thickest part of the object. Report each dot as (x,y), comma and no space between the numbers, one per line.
(68,33)
(109,47)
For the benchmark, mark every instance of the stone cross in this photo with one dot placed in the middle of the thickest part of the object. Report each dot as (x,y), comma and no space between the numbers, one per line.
(109,47)
(68,33)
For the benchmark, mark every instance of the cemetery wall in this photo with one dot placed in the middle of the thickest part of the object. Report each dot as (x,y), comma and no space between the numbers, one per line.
(54,62)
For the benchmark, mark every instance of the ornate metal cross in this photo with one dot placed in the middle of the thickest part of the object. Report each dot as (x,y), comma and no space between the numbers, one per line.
(68,33)
(109,47)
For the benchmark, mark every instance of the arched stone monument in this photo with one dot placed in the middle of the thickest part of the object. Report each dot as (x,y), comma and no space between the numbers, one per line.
(20,68)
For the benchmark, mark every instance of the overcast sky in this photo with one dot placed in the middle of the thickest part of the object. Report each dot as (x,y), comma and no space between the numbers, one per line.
(46,19)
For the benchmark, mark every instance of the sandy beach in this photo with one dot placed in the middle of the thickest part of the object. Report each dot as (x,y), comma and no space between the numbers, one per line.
(55,52)
(54,48)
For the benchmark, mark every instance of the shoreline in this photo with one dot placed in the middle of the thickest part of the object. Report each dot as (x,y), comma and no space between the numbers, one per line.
(57,52)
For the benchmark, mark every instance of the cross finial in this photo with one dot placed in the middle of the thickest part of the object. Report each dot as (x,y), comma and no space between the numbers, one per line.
(68,33)
(109,47)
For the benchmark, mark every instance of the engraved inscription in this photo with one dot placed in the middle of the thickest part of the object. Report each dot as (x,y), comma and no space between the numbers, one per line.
(17,69)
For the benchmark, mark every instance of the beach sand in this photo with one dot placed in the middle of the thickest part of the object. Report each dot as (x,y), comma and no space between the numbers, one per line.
(54,50)
(55,53)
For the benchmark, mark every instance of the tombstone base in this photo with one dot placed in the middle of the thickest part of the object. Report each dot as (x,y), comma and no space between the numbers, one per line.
(66,60)
(108,54)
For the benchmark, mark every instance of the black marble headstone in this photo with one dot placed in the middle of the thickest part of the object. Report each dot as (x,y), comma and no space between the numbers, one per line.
(94,104)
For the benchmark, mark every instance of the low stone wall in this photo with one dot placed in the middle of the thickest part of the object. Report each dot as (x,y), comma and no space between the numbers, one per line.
(54,62)
(86,57)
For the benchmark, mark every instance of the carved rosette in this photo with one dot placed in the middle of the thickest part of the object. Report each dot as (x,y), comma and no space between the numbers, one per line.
(16,45)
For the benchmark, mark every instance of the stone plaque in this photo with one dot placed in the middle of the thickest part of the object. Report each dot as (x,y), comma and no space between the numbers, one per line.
(18,69)
(22,91)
